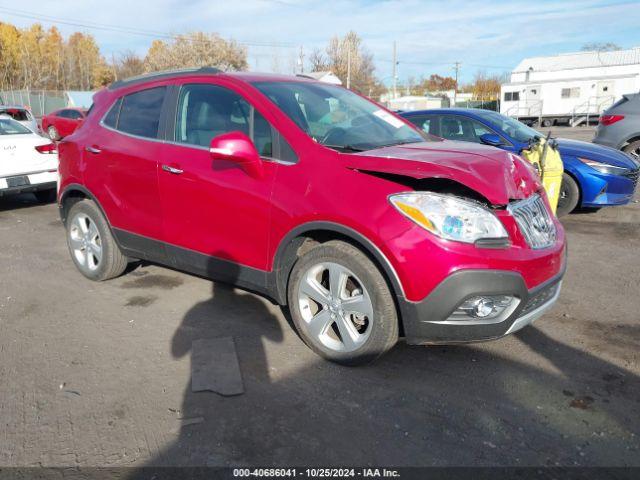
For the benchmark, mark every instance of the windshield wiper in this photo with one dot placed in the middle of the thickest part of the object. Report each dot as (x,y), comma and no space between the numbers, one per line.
(346,148)
(404,142)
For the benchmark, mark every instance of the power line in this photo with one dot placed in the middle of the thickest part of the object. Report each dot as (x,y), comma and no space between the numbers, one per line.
(409,62)
(118,29)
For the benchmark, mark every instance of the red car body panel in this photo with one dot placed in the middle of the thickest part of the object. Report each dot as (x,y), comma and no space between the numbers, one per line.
(64,126)
(217,209)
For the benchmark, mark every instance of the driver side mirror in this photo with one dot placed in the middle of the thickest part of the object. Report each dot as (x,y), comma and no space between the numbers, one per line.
(491,139)
(238,148)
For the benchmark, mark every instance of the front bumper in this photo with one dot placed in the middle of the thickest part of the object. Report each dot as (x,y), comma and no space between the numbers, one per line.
(427,322)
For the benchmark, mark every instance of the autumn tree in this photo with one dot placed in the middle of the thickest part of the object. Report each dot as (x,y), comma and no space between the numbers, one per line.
(128,64)
(36,58)
(197,49)
(348,55)
(484,86)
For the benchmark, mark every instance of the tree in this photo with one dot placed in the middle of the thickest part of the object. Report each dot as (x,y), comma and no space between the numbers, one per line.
(485,87)
(347,55)
(128,65)
(600,47)
(437,83)
(197,49)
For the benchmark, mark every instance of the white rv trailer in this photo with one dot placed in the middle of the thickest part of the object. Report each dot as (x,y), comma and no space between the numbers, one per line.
(571,88)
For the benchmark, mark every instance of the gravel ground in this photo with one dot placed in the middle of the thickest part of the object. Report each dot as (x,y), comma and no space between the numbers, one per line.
(99,374)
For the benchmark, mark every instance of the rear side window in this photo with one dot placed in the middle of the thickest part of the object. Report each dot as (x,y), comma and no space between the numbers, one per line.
(74,114)
(140,112)
(111,119)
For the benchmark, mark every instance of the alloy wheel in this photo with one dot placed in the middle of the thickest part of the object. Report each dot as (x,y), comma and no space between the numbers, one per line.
(85,242)
(335,306)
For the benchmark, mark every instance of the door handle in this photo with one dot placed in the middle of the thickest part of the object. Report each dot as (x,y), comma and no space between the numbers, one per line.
(94,150)
(170,169)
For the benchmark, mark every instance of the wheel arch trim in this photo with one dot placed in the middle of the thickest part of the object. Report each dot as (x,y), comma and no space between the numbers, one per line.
(282,263)
(76,187)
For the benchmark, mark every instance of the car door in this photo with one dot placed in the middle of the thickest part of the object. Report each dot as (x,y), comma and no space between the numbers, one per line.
(216,215)
(121,161)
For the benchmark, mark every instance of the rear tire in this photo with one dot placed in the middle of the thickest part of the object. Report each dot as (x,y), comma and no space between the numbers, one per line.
(46,196)
(341,304)
(569,196)
(547,123)
(633,149)
(91,244)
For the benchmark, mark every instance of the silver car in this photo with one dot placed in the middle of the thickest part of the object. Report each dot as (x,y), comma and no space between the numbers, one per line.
(619,125)
(21,115)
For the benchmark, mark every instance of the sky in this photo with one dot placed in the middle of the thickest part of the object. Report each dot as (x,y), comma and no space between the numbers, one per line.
(489,35)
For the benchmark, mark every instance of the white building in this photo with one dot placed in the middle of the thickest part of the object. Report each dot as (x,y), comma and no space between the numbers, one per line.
(412,102)
(326,77)
(572,87)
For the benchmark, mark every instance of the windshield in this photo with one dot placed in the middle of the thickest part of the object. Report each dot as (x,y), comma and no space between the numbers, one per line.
(9,126)
(512,127)
(338,118)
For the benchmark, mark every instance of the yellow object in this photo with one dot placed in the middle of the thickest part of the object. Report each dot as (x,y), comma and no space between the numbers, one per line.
(546,159)
(416,215)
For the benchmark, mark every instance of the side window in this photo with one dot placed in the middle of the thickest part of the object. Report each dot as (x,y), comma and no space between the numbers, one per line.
(462,129)
(206,111)
(140,112)
(62,114)
(74,114)
(511,96)
(111,119)
(426,123)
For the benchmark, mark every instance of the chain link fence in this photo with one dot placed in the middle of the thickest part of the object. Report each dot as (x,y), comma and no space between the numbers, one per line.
(42,102)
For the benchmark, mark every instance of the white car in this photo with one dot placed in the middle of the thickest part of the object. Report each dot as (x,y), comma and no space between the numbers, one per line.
(28,162)
(21,115)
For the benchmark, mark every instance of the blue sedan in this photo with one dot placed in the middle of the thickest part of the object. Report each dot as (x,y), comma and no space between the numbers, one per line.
(594,175)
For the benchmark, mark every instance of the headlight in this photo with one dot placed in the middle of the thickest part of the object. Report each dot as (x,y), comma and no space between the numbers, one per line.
(604,167)
(449,217)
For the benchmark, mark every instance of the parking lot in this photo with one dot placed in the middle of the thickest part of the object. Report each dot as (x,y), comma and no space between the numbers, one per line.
(99,373)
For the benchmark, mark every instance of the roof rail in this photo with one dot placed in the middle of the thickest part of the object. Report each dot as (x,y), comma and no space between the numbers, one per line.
(160,75)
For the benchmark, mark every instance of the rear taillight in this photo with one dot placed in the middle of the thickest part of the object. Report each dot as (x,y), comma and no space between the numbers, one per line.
(610,119)
(47,148)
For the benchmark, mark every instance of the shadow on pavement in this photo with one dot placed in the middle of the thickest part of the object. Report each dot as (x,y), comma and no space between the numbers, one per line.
(433,406)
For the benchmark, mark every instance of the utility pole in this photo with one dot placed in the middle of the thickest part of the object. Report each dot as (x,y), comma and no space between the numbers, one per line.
(395,74)
(301,60)
(455,88)
(349,67)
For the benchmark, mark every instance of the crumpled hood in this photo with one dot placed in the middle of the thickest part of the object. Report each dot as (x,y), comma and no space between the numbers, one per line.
(497,175)
(593,151)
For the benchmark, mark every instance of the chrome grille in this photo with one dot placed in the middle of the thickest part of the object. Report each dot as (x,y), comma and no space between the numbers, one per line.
(534,221)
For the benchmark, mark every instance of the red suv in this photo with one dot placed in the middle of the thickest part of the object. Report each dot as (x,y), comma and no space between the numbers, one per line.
(316,197)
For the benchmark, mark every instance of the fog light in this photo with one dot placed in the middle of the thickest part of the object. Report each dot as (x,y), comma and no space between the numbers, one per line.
(484,307)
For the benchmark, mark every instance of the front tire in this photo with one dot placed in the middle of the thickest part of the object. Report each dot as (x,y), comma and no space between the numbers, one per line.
(569,196)
(341,304)
(91,244)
